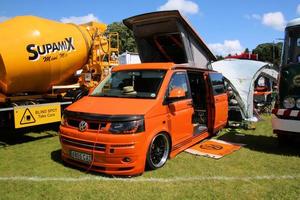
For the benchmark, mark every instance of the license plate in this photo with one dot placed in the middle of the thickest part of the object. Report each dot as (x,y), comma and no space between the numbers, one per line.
(84,157)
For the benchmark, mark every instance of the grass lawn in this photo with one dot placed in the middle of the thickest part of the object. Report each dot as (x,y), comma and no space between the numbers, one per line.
(260,170)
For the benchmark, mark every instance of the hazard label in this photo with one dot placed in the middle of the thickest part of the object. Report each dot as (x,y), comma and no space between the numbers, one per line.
(27,118)
(32,115)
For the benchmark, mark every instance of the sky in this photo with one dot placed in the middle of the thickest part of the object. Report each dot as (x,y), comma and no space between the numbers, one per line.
(227,26)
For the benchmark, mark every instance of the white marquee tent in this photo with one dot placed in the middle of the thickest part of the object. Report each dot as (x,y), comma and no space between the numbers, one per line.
(242,75)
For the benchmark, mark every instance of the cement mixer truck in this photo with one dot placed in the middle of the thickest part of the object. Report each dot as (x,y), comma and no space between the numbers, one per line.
(46,65)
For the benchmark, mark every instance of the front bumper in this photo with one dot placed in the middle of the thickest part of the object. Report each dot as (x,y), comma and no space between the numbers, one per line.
(285,126)
(112,154)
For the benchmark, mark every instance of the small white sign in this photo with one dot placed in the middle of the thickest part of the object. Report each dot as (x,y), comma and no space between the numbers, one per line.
(87,76)
(298,42)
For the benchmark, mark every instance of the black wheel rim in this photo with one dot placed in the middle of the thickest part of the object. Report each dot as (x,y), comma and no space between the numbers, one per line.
(159,150)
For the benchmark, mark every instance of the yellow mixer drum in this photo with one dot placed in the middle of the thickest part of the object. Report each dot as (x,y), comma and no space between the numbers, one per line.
(37,53)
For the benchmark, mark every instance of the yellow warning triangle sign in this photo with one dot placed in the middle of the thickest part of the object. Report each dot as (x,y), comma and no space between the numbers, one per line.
(27,117)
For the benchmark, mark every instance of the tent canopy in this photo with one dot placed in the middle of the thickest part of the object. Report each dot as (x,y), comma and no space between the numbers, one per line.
(241,75)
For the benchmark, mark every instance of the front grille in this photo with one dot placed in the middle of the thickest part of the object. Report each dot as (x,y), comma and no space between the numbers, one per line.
(91,125)
(73,123)
(83,144)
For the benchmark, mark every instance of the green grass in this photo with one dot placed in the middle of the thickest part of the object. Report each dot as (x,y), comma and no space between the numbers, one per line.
(38,155)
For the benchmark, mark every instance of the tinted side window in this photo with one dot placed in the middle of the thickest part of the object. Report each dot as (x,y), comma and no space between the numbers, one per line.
(179,80)
(217,82)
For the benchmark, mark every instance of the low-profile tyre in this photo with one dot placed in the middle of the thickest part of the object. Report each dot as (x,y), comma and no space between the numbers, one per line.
(158,151)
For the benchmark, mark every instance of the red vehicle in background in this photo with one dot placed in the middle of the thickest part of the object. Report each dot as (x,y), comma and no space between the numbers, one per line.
(248,56)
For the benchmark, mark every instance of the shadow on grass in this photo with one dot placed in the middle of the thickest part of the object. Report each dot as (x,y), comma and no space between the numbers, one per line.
(56,157)
(261,143)
(10,137)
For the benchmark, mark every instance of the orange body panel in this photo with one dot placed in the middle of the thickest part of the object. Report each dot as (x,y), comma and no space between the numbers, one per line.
(221,111)
(180,120)
(106,161)
(125,154)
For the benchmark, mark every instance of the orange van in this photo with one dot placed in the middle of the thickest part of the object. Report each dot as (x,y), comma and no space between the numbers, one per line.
(141,115)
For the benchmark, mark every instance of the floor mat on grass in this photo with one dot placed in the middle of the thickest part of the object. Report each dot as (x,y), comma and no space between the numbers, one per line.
(214,148)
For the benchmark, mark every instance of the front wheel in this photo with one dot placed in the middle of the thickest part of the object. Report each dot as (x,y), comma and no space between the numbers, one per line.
(158,151)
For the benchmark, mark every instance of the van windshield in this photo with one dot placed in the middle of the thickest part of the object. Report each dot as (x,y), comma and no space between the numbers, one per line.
(131,84)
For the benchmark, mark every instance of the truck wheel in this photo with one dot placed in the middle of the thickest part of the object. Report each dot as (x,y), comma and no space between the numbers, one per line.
(158,151)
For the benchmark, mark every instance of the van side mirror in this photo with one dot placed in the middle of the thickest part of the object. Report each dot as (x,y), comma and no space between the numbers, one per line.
(176,93)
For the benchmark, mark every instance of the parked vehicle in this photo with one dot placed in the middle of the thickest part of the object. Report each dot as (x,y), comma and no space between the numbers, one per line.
(129,58)
(264,94)
(286,114)
(145,113)
(38,61)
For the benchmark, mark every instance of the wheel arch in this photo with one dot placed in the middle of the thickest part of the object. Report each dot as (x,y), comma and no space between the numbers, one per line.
(156,133)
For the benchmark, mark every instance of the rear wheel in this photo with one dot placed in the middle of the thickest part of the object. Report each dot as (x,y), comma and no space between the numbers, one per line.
(158,151)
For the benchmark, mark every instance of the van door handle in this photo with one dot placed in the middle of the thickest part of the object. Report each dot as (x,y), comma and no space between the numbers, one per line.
(189,103)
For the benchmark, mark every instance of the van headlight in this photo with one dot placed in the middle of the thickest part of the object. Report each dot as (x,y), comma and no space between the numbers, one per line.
(289,102)
(298,103)
(63,121)
(127,127)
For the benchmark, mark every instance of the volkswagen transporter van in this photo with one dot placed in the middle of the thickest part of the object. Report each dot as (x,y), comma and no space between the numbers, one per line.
(143,114)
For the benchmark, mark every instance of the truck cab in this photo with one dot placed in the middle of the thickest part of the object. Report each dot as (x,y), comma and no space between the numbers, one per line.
(143,114)
(286,113)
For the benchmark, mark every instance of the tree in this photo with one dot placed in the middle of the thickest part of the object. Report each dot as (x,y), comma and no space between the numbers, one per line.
(246,50)
(269,52)
(219,57)
(126,38)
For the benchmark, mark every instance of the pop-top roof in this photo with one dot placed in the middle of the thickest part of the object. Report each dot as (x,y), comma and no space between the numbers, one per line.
(166,36)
